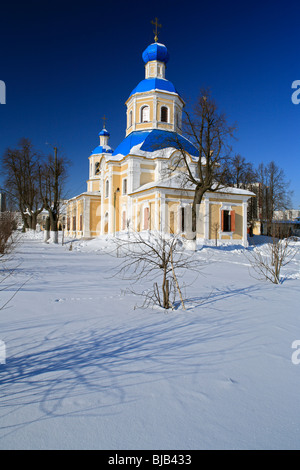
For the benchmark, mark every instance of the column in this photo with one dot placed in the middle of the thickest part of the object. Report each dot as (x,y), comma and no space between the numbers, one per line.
(245,239)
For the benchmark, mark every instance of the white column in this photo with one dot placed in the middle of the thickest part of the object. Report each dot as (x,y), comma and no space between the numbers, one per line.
(155,111)
(110,204)
(206,219)
(245,239)
(134,114)
(156,215)
(163,213)
(86,217)
(101,187)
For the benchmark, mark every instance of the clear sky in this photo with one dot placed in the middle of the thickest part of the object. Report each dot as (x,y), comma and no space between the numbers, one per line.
(66,64)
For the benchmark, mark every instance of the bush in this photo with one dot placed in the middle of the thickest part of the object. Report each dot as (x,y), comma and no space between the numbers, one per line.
(7,227)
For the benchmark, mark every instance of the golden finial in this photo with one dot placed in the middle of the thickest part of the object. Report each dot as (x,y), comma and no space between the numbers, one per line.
(104,119)
(156,30)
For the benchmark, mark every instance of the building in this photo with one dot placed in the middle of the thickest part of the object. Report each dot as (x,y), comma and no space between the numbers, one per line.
(129,188)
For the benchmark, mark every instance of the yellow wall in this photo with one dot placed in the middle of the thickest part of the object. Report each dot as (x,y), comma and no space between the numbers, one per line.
(214,220)
(146,178)
(95,217)
(238,234)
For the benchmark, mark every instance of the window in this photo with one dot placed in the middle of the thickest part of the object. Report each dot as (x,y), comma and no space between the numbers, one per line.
(74,223)
(228,221)
(80,222)
(182,220)
(130,119)
(97,168)
(164,114)
(146,218)
(124,220)
(124,190)
(106,188)
(145,114)
(68,223)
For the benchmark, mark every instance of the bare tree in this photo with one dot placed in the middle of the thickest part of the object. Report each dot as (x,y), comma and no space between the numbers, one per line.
(241,174)
(20,169)
(208,130)
(158,259)
(268,260)
(216,230)
(7,228)
(274,191)
(53,175)
(8,242)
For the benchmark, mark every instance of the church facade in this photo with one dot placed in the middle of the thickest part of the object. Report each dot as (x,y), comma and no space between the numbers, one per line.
(131,188)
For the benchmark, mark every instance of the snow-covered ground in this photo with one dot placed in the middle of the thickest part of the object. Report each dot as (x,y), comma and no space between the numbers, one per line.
(86,370)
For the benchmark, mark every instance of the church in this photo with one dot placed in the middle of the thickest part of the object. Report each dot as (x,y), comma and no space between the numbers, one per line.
(131,188)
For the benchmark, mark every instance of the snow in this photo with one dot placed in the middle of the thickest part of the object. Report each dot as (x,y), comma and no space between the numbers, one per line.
(180,182)
(85,369)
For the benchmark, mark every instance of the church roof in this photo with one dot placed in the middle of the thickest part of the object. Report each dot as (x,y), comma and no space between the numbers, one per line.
(102,149)
(104,132)
(155,140)
(156,51)
(179,182)
(149,84)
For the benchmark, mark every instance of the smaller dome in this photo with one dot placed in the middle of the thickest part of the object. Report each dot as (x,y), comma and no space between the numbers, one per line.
(156,51)
(102,149)
(104,132)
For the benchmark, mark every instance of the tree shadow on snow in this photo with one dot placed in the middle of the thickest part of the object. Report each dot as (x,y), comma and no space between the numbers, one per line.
(89,372)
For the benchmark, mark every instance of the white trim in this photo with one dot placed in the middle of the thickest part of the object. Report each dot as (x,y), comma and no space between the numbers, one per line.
(244,235)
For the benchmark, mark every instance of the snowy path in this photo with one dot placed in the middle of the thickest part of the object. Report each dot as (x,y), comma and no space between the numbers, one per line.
(84,370)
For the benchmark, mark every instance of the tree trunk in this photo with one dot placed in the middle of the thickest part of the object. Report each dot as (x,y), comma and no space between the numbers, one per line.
(199,192)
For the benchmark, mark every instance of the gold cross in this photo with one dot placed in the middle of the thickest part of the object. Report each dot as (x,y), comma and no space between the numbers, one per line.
(104,119)
(156,30)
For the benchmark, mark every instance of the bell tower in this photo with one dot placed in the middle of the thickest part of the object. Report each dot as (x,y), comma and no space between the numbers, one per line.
(154,103)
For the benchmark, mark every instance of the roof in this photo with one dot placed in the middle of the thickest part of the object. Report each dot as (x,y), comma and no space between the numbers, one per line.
(104,132)
(102,149)
(149,84)
(178,182)
(150,143)
(156,51)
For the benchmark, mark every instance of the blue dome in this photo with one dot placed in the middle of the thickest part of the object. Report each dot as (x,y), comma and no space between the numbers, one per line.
(156,51)
(154,140)
(104,132)
(101,149)
(149,84)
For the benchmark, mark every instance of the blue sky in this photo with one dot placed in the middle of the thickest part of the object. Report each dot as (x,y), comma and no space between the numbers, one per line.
(66,64)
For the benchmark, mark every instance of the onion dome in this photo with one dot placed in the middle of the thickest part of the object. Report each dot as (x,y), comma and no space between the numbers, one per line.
(156,51)
(104,132)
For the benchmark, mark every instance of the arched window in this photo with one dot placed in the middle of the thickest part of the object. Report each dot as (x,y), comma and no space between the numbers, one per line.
(106,188)
(124,224)
(164,114)
(124,191)
(145,114)
(182,220)
(146,218)
(130,119)
(97,168)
